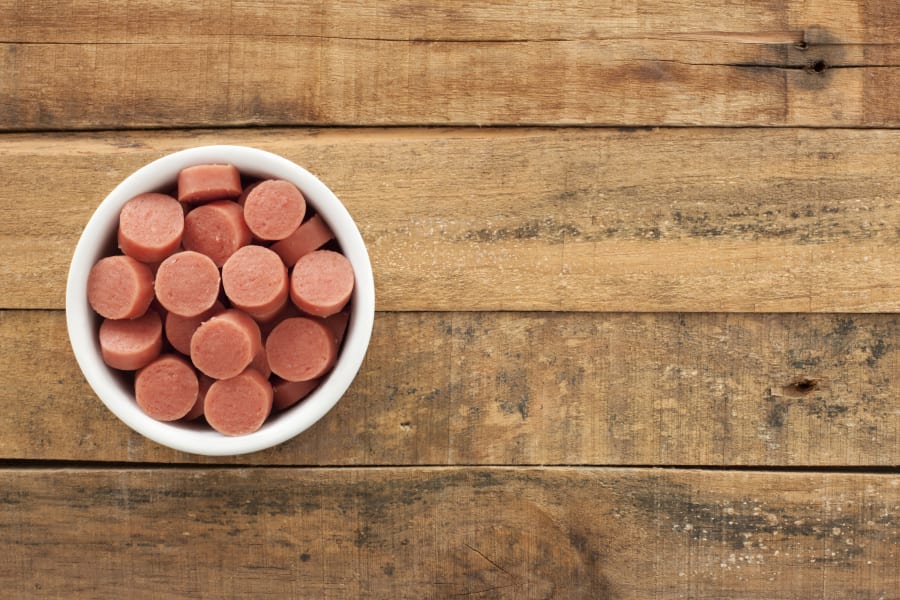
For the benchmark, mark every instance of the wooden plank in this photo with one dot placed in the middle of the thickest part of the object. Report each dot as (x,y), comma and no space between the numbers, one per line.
(358,63)
(534,219)
(859,22)
(406,20)
(532,388)
(438,533)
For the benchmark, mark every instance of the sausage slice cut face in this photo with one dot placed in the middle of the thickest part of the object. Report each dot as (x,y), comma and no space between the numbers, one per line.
(322,283)
(150,227)
(226,344)
(167,388)
(187,283)
(217,230)
(301,349)
(119,287)
(274,209)
(256,281)
(239,405)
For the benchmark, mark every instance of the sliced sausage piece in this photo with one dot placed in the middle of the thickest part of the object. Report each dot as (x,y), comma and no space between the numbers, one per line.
(150,227)
(187,283)
(311,235)
(256,281)
(197,410)
(180,330)
(238,405)
(289,393)
(167,388)
(217,230)
(202,183)
(322,282)
(301,349)
(274,209)
(119,287)
(226,344)
(129,344)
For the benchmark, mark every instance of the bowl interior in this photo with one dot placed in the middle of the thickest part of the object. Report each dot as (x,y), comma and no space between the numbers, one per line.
(115,388)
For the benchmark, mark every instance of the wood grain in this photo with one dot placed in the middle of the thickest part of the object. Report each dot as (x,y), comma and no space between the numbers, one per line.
(534,219)
(860,22)
(532,388)
(594,336)
(90,66)
(439,533)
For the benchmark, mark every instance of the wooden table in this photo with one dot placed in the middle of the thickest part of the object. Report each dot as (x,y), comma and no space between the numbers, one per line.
(636,269)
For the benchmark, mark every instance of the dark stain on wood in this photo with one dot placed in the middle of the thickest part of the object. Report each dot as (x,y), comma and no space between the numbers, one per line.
(820,407)
(547,229)
(749,523)
(844,326)
(877,349)
(777,410)
(514,392)
(484,479)
(243,500)
(753,220)
(803,358)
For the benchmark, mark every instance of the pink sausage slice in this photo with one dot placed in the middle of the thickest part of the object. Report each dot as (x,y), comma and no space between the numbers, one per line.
(180,330)
(289,393)
(311,235)
(301,349)
(208,182)
(238,405)
(131,343)
(187,283)
(167,388)
(119,287)
(197,410)
(322,283)
(256,281)
(150,227)
(226,344)
(274,209)
(217,230)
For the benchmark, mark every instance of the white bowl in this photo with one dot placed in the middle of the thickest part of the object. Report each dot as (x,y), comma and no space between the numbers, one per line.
(115,388)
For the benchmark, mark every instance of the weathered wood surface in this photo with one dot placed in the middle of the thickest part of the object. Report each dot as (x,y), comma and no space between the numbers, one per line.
(560,307)
(122,64)
(440,533)
(532,388)
(866,22)
(537,219)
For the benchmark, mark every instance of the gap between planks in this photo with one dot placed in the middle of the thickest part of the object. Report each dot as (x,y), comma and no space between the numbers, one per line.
(412,131)
(72,465)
